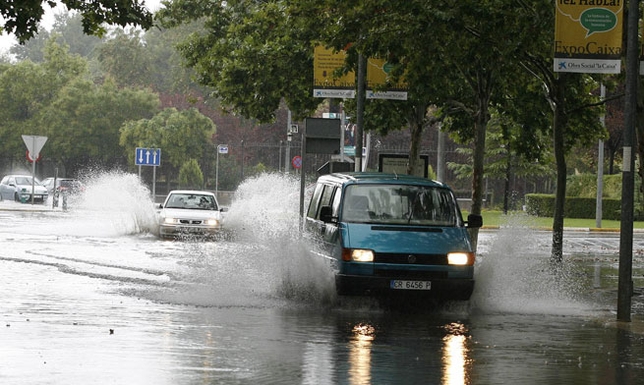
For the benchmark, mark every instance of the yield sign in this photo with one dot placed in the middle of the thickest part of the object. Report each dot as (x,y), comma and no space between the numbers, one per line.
(34,144)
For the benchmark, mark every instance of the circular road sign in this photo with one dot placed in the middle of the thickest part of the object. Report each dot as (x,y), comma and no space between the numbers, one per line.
(297,161)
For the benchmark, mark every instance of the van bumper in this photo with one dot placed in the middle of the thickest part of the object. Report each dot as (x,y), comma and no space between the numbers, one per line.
(459,289)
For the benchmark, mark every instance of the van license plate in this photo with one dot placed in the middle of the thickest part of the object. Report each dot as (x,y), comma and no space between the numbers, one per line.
(410,285)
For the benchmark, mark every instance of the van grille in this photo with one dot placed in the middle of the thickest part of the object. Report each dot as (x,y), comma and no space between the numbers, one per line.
(411,259)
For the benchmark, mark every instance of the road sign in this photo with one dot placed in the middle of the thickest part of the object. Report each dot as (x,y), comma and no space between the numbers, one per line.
(34,144)
(30,159)
(222,148)
(297,161)
(147,156)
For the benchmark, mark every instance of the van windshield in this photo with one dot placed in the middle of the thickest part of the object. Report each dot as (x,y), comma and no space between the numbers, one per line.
(399,204)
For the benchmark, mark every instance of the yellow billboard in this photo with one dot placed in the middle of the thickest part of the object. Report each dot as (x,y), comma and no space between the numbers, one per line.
(377,76)
(588,36)
(326,63)
(328,83)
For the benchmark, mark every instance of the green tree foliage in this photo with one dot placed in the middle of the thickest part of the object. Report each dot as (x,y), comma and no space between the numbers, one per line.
(83,123)
(190,175)
(125,59)
(27,89)
(67,30)
(22,17)
(181,135)
(253,54)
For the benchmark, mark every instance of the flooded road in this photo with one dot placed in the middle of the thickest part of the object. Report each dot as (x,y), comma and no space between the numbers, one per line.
(91,296)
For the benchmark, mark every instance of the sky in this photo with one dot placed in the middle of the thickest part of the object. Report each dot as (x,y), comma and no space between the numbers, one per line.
(6,41)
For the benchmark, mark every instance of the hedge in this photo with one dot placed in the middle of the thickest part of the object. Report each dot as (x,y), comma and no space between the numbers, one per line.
(543,205)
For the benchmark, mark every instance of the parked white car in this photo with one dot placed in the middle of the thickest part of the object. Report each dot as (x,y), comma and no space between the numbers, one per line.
(19,188)
(190,212)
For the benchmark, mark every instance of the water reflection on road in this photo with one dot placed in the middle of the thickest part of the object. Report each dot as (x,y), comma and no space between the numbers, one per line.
(92,296)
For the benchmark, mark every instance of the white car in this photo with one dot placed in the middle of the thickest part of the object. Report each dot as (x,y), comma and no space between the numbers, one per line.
(19,187)
(190,212)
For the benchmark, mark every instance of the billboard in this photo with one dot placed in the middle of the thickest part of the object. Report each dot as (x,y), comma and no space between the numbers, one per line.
(588,36)
(326,82)
(329,82)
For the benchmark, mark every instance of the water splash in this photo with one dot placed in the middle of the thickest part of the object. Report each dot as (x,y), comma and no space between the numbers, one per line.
(265,208)
(514,274)
(261,261)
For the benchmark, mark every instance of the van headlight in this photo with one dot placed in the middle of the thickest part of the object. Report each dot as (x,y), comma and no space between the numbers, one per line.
(460,258)
(357,255)
(211,222)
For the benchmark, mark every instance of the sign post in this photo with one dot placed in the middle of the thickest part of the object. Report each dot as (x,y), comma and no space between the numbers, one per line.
(34,145)
(148,157)
(221,149)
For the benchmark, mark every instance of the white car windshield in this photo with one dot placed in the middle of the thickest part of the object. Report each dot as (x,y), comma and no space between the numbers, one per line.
(399,204)
(22,180)
(191,201)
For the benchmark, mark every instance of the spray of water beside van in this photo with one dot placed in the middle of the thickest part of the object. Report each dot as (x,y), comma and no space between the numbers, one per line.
(388,234)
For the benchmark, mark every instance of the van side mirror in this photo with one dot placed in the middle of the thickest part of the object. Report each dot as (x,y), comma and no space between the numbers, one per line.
(326,214)
(474,221)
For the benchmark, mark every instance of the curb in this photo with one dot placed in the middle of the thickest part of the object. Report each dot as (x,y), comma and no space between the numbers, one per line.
(571,229)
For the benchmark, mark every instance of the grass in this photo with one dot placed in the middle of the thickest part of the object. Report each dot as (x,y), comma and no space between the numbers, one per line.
(493,218)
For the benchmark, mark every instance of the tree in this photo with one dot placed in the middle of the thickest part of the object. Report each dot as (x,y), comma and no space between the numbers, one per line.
(124,59)
(502,47)
(252,54)
(22,18)
(508,154)
(27,89)
(83,123)
(67,31)
(190,175)
(181,135)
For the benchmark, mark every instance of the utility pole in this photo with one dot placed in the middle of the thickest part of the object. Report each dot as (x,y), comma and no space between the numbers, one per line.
(625,284)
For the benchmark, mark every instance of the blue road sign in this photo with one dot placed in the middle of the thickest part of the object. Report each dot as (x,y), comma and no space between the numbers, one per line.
(147,156)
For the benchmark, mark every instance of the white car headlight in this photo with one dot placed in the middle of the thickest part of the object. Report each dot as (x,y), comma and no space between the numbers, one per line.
(211,222)
(169,220)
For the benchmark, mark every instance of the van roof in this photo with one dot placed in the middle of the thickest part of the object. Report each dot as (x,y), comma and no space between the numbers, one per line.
(378,177)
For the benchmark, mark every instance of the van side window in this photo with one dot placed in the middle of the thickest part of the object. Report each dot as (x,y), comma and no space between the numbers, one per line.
(327,194)
(322,196)
(335,205)
(315,201)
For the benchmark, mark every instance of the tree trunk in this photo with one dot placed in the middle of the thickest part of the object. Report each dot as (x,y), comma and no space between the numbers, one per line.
(558,126)
(480,127)
(416,129)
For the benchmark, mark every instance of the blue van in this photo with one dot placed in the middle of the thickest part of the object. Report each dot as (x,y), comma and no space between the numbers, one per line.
(387,234)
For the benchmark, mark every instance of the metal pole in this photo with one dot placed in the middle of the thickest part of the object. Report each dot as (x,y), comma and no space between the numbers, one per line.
(287,156)
(34,157)
(302,178)
(217,173)
(242,159)
(600,185)
(362,68)
(440,155)
(625,284)
(600,169)
(154,183)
